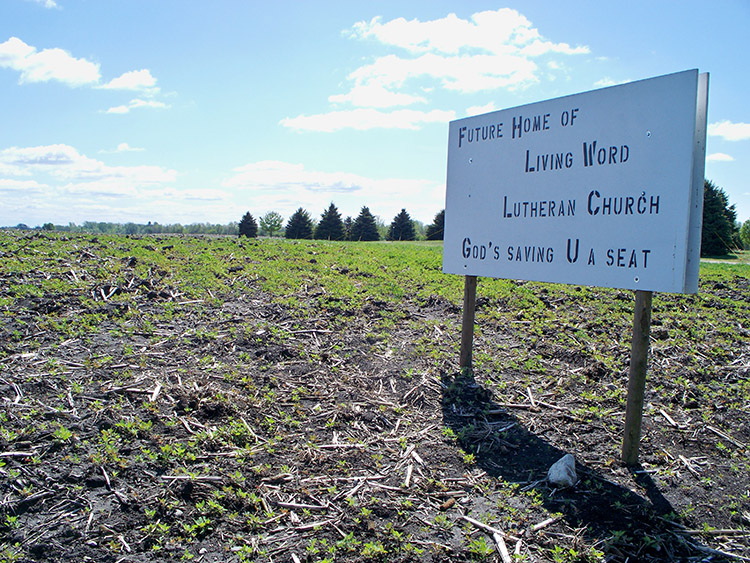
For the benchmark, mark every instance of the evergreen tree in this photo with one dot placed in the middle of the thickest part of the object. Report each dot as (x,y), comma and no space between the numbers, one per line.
(348,223)
(745,234)
(248,226)
(331,227)
(300,225)
(436,229)
(719,218)
(402,227)
(271,223)
(364,227)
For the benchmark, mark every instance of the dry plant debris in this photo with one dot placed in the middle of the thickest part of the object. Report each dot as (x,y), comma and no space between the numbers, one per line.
(214,399)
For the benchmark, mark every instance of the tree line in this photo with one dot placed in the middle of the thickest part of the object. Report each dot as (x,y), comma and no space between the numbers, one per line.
(108,228)
(721,234)
(331,226)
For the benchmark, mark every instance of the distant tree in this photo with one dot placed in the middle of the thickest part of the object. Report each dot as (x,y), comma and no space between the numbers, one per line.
(48,227)
(382,228)
(348,223)
(300,225)
(402,227)
(719,218)
(435,230)
(419,229)
(271,223)
(152,228)
(745,235)
(231,228)
(248,226)
(364,227)
(331,227)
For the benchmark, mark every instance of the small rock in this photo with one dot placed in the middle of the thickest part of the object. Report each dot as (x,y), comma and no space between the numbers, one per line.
(563,472)
(448,504)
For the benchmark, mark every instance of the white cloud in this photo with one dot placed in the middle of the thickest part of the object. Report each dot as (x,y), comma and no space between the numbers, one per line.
(375,95)
(607,81)
(41,156)
(58,183)
(63,162)
(462,73)
(719,157)
(366,118)
(100,188)
(730,131)
(118,109)
(49,4)
(272,175)
(414,35)
(140,80)
(479,110)
(284,187)
(47,64)
(124,147)
(120,148)
(58,65)
(203,195)
(25,186)
(12,170)
(492,32)
(137,103)
(491,50)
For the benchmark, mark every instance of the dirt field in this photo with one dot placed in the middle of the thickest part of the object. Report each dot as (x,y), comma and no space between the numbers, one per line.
(168,399)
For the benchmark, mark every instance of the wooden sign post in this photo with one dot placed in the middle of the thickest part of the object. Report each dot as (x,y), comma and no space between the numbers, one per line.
(467,324)
(637,377)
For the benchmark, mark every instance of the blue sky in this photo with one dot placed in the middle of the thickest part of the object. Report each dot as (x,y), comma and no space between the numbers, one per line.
(199,111)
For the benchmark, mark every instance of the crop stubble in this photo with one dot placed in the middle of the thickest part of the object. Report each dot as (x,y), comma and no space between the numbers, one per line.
(218,399)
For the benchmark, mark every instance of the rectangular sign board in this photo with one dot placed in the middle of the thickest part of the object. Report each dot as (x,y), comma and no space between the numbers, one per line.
(603,188)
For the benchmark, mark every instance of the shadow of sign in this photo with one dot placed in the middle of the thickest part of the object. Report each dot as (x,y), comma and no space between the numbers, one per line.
(624,525)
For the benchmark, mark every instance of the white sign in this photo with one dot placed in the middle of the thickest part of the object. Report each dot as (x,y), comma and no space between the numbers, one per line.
(603,188)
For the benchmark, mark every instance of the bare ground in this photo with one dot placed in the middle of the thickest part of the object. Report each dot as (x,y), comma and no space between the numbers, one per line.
(141,423)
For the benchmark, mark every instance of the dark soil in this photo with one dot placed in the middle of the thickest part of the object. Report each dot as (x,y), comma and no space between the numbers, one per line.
(141,422)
